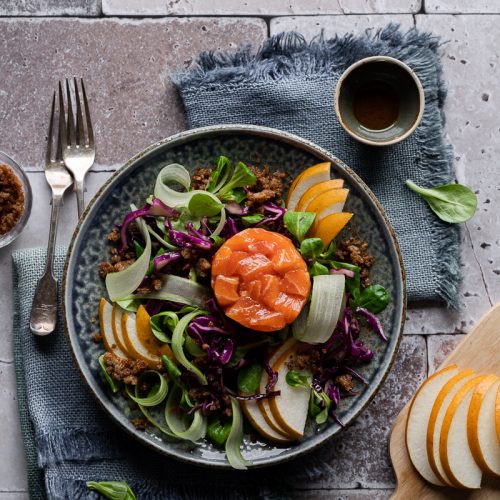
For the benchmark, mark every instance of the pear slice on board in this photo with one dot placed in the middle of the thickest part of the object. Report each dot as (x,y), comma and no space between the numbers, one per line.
(478,351)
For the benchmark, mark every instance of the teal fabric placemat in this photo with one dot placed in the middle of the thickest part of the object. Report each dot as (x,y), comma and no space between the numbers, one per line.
(289,84)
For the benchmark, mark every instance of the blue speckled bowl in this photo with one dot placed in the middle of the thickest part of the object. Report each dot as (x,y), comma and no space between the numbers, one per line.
(82,286)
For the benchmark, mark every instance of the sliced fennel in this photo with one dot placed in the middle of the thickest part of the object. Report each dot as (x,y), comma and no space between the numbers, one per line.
(164,242)
(171,197)
(115,386)
(178,345)
(181,290)
(153,421)
(156,395)
(196,429)
(235,438)
(121,284)
(316,323)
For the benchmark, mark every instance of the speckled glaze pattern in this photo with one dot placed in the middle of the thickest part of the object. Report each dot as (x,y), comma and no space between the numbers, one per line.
(82,286)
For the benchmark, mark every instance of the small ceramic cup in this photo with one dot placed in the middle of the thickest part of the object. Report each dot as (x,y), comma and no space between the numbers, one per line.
(379,101)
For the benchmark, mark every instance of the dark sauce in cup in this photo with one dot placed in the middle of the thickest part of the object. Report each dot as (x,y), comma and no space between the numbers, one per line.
(376,106)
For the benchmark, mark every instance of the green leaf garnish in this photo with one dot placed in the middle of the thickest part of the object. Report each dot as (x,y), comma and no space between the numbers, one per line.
(242,177)
(374,298)
(311,248)
(204,205)
(114,490)
(249,378)
(452,203)
(295,378)
(217,431)
(250,220)
(298,223)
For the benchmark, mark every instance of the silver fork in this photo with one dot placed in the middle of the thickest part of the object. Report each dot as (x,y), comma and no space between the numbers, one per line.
(44,309)
(77,146)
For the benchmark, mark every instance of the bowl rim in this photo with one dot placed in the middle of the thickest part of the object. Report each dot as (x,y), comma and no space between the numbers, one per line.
(16,231)
(411,73)
(177,140)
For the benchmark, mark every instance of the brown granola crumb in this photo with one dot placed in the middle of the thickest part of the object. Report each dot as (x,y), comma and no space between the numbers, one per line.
(308,360)
(124,369)
(355,251)
(11,199)
(203,267)
(268,188)
(200,178)
(154,284)
(114,235)
(97,338)
(140,423)
(345,382)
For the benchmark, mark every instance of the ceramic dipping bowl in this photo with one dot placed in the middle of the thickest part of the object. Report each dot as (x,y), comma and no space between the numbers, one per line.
(379,101)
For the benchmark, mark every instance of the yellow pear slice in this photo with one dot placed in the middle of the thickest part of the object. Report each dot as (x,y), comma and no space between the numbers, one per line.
(330,226)
(454,451)
(329,201)
(309,177)
(264,403)
(254,414)
(436,418)
(481,423)
(290,408)
(418,420)
(497,415)
(140,341)
(116,323)
(314,191)
(106,326)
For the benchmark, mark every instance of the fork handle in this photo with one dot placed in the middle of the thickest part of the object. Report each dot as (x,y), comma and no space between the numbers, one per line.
(44,309)
(80,188)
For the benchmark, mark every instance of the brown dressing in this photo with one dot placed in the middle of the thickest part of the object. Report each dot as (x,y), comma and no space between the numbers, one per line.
(376,107)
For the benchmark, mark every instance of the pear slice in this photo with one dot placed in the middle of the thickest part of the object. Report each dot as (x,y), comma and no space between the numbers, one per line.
(436,418)
(454,451)
(497,415)
(140,341)
(481,432)
(264,403)
(116,323)
(308,178)
(418,420)
(107,331)
(314,191)
(254,414)
(290,408)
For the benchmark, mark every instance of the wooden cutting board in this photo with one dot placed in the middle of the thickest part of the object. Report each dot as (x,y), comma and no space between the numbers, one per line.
(480,350)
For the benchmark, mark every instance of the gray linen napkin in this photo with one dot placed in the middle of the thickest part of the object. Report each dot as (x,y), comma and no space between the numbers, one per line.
(69,440)
(289,85)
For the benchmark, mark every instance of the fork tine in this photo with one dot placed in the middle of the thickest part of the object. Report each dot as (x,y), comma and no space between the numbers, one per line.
(48,154)
(71,122)
(62,142)
(80,132)
(90,131)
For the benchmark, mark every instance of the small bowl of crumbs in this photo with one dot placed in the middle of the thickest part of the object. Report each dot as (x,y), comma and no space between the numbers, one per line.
(15,200)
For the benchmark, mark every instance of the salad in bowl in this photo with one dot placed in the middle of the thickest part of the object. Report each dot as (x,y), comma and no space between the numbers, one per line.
(231,309)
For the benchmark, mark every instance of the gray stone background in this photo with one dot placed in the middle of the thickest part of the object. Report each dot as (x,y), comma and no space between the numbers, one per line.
(125,50)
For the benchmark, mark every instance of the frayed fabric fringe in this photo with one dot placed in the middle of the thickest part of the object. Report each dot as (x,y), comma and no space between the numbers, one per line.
(288,56)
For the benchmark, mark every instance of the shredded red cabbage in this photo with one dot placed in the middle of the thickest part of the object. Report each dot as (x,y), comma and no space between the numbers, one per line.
(274,212)
(372,321)
(165,259)
(346,272)
(234,208)
(230,228)
(183,240)
(273,376)
(256,397)
(156,209)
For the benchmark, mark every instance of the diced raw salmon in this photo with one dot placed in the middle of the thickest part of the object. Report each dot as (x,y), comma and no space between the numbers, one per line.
(226,289)
(297,282)
(260,280)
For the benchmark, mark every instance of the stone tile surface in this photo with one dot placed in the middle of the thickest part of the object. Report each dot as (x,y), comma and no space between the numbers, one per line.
(471,61)
(311,26)
(36,234)
(50,7)
(359,457)
(14,495)
(126,65)
(13,470)
(244,7)
(439,347)
(462,6)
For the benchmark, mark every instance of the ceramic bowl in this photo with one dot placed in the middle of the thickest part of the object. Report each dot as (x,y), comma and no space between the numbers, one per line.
(399,92)
(10,236)
(82,286)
